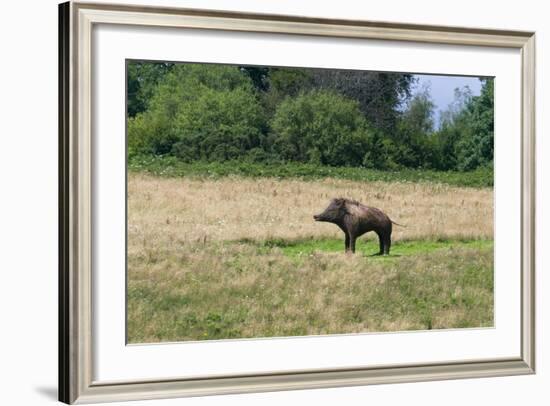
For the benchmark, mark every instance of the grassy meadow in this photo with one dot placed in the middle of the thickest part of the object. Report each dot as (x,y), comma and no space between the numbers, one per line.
(234,256)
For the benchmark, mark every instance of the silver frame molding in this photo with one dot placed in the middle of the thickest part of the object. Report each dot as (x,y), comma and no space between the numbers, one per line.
(76,21)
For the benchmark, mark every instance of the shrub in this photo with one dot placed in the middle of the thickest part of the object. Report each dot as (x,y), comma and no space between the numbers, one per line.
(321,127)
(207,112)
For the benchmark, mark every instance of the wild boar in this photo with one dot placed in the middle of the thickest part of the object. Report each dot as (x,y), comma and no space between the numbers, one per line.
(356,219)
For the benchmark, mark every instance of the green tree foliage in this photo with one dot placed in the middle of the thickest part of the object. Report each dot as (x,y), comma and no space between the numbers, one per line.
(258,75)
(453,126)
(283,83)
(414,139)
(142,80)
(208,112)
(476,146)
(466,136)
(321,127)
(200,112)
(379,94)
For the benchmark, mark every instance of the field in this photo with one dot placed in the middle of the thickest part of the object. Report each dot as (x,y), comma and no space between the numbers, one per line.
(237,256)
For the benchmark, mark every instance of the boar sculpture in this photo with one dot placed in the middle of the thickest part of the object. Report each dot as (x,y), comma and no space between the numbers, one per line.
(356,219)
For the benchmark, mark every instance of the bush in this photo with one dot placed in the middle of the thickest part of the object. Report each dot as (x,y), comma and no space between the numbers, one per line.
(174,167)
(321,127)
(206,112)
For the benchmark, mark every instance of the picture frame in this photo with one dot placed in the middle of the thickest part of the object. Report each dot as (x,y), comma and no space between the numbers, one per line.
(76,215)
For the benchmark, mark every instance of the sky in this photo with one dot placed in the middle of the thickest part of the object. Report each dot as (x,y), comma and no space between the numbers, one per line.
(442,89)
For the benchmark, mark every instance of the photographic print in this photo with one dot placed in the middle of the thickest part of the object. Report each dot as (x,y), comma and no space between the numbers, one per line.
(269,201)
(256,202)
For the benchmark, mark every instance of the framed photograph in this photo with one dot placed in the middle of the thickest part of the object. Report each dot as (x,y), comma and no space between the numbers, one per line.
(263,202)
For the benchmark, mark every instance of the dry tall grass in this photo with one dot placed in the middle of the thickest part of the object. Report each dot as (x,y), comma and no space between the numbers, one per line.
(165,210)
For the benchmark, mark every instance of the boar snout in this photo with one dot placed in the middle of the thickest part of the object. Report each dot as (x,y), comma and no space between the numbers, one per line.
(316,217)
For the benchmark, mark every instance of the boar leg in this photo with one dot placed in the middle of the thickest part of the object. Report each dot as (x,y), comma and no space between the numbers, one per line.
(347,242)
(352,243)
(387,244)
(381,243)
(384,238)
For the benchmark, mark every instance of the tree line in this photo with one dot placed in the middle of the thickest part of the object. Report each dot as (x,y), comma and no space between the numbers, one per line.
(206,112)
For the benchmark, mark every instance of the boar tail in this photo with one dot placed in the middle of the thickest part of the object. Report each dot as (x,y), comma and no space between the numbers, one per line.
(397,224)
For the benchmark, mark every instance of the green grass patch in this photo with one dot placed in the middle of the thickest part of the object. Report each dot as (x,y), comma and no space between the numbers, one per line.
(306,247)
(172,167)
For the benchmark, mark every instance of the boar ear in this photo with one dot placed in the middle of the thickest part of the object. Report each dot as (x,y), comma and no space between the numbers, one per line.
(344,205)
(340,201)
